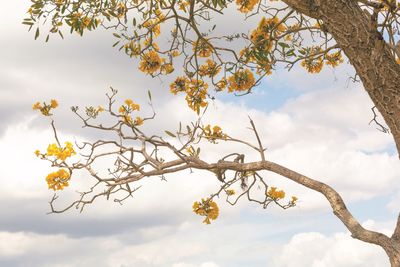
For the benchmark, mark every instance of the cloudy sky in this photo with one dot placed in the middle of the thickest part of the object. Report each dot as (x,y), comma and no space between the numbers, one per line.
(316,125)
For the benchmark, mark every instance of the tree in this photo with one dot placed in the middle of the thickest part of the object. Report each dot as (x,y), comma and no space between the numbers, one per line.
(313,33)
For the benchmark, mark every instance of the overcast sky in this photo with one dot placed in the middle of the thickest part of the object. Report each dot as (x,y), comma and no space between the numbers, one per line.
(316,125)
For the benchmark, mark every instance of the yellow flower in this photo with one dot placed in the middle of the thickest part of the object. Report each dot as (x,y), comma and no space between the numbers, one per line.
(151,62)
(37,153)
(271,24)
(183,4)
(128,101)
(246,6)
(127,119)
(59,152)
(274,194)
(121,10)
(153,26)
(147,43)
(45,109)
(138,121)
(167,68)
(58,180)
(202,48)
(261,40)
(215,133)
(100,109)
(242,80)
(288,37)
(207,208)
(135,107)
(334,59)
(190,150)
(221,85)
(294,199)
(196,94)
(122,109)
(313,65)
(37,105)
(175,53)
(86,22)
(209,69)
(129,107)
(53,103)
(179,85)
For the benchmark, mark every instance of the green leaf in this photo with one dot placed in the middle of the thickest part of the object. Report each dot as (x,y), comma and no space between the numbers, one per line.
(285,45)
(149,94)
(170,134)
(115,44)
(37,33)
(117,35)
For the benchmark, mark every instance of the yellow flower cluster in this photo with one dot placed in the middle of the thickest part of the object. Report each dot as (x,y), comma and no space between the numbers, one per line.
(209,69)
(133,49)
(58,180)
(121,9)
(179,85)
(221,85)
(275,194)
(215,133)
(151,62)
(125,111)
(183,4)
(334,59)
(196,94)
(190,150)
(167,68)
(153,26)
(45,108)
(195,89)
(268,28)
(61,153)
(245,6)
(202,48)
(313,63)
(241,80)
(294,200)
(93,112)
(207,208)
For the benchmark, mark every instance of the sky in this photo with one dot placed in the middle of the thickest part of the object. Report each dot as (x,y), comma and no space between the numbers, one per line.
(317,125)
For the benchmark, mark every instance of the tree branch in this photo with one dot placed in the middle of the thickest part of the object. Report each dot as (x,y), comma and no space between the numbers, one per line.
(396,233)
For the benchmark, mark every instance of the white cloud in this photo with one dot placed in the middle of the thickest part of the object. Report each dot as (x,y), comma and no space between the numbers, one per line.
(337,250)
(205,264)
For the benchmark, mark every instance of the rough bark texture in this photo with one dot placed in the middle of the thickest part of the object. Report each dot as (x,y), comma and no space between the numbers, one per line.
(380,74)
